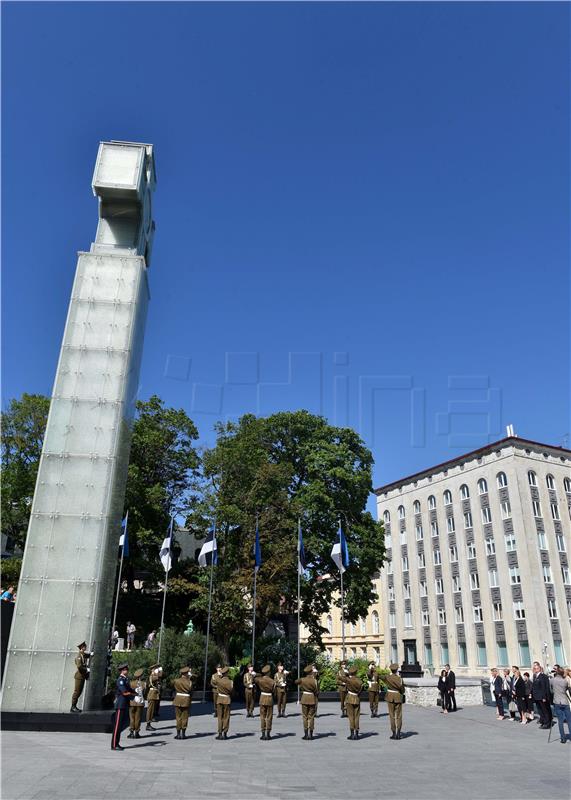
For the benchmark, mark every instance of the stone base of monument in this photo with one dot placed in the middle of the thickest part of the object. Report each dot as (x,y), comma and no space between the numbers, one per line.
(86,722)
(424,692)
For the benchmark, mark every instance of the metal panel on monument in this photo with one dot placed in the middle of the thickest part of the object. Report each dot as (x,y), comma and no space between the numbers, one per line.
(68,571)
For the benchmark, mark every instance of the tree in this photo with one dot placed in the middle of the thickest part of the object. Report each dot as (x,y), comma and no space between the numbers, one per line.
(23,427)
(276,470)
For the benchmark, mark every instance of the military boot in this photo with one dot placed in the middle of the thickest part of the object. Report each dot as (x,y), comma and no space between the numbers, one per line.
(75,710)
(305,736)
(351,736)
(150,727)
(311,733)
(131,735)
(263,736)
(183,735)
(177,735)
(356,736)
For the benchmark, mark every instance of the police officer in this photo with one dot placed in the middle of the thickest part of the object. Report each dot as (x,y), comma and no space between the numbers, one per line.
(395,699)
(309,692)
(224,686)
(154,694)
(249,683)
(266,686)
(182,700)
(81,675)
(341,688)
(136,705)
(123,695)
(373,684)
(280,683)
(353,686)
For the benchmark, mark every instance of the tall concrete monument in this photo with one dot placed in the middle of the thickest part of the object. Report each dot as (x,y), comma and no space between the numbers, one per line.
(65,592)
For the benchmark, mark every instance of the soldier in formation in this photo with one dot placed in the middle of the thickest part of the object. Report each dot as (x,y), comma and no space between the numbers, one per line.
(353,687)
(373,685)
(309,694)
(249,684)
(136,704)
(341,688)
(182,701)
(213,681)
(81,675)
(280,681)
(154,693)
(395,699)
(224,686)
(266,686)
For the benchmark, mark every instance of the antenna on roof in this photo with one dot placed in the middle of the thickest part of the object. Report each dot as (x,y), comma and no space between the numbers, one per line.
(510,430)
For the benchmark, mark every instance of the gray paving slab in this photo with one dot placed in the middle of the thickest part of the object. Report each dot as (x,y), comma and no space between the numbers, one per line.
(466,755)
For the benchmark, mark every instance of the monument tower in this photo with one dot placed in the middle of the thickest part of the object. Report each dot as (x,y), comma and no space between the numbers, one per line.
(66,586)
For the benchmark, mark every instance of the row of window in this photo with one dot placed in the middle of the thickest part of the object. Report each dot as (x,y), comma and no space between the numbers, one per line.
(352,628)
(524,655)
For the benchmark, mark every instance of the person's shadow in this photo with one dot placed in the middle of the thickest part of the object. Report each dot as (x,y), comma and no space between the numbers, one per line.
(145,744)
(323,735)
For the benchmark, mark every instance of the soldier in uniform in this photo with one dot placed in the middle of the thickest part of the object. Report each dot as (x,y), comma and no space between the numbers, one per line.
(341,676)
(309,692)
(266,686)
(182,700)
(224,686)
(136,705)
(395,699)
(213,683)
(280,682)
(353,687)
(81,675)
(123,695)
(249,683)
(373,683)
(154,694)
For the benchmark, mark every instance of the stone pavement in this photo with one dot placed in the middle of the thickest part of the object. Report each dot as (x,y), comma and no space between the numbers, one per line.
(466,755)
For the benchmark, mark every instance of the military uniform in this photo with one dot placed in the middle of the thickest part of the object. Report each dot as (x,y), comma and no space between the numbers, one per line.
(81,675)
(224,686)
(395,699)
(249,683)
(374,688)
(154,694)
(182,701)
(354,687)
(213,680)
(266,686)
(280,683)
(309,692)
(136,705)
(341,688)
(123,695)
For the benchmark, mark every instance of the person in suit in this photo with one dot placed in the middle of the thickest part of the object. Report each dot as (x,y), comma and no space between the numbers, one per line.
(395,700)
(541,695)
(182,701)
(136,704)
(280,683)
(214,684)
(528,696)
(309,692)
(81,675)
(266,686)
(353,687)
(249,684)
(451,681)
(154,693)
(496,684)
(374,688)
(224,686)
(341,676)
(443,689)
(518,695)
(123,696)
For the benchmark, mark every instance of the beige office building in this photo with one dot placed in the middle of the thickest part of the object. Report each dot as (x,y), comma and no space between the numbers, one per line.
(477,572)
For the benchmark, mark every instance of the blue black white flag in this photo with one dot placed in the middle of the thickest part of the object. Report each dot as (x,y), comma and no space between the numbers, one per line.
(301,563)
(166,549)
(257,550)
(124,538)
(340,553)
(209,552)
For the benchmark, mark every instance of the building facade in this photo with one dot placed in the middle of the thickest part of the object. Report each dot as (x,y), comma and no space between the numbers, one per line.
(477,572)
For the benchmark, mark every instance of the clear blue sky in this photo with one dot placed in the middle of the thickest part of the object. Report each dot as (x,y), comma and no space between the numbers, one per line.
(361,209)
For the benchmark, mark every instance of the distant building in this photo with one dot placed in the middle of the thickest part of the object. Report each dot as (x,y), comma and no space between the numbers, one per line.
(477,572)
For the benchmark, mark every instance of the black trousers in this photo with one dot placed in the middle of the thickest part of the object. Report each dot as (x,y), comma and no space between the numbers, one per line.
(499,704)
(118,723)
(545,715)
(451,700)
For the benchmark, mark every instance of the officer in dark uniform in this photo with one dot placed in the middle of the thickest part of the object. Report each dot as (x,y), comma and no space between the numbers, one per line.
(81,675)
(123,695)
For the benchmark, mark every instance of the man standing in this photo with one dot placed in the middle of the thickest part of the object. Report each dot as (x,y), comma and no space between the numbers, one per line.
(373,683)
(154,694)
(123,695)
(561,700)
(182,700)
(353,687)
(395,699)
(224,685)
(341,688)
(541,695)
(280,682)
(451,684)
(131,630)
(249,683)
(136,705)
(309,691)
(81,675)
(214,683)
(496,684)
(266,686)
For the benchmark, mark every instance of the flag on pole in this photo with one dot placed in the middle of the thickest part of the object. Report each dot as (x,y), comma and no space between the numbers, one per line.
(301,563)
(209,552)
(124,538)
(257,550)
(340,553)
(166,554)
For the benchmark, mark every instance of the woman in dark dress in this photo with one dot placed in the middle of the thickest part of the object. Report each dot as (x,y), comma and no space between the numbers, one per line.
(443,689)
(519,695)
(528,696)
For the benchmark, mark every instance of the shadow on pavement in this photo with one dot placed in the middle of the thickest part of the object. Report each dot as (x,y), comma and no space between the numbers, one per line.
(323,735)
(282,735)
(145,744)
(408,734)
(240,735)
(367,734)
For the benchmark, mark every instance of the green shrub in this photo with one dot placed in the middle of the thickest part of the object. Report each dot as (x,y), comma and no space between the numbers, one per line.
(10,569)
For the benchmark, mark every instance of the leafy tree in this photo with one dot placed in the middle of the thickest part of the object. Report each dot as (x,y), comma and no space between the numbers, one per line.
(11,569)
(23,427)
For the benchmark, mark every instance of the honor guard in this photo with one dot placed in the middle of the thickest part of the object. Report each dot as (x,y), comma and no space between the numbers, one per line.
(395,699)
(373,684)
(249,683)
(309,693)
(81,675)
(341,688)
(213,683)
(266,686)
(353,686)
(182,700)
(224,686)
(280,683)
(123,696)
(136,705)
(154,694)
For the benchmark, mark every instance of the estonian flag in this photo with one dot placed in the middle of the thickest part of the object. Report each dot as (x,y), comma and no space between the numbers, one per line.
(301,564)
(257,550)
(340,553)
(165,554)
(209,553)
(124,539)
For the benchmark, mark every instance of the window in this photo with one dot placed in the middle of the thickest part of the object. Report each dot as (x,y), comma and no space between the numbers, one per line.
(352,652)
(486,515)
(497,613)
(559,651)
(532,478)
(468,519)
(403,537)
(432,502)
(406,591)
(490,547)
(547,574)
(515,577)
(425,617)
(459,614)
(552,609)
(428,654)
(482,486)
(439,586)
(482,656)
(509,539)
(464,492)
(503,660)
(423,588)
(519,610)
(567,485)
(391,592)
(541,540)
(376,627)
(329,624)
(352,629)
(478,615)
(501,480)
(401,512)
(437,557)
(560,542)
(421,560)
(407,619)
(456,583)
(394,653)
(434,528)
(453,553)
(450,525)
(462,655)
(419,533)
(566,575)
(524,655)
(536,508)
(474,580)
(506,509)
(392,620)
(405,563)
(471,550)
(442,616)
(364,652)
(388,540)
(550,482)
(444,655)
(390,568)
(493,578)
(569,609)
(416,506)
(447,497)
(555,511)
(377,652)
(386,516)
(363,625)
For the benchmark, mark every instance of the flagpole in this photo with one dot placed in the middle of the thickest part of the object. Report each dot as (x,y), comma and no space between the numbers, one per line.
(165,597)
(208,622)
(120,571)
(254,607)
(298,607)
(342,603)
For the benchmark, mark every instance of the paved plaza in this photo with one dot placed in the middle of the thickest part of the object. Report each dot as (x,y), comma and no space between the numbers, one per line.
(463,755)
